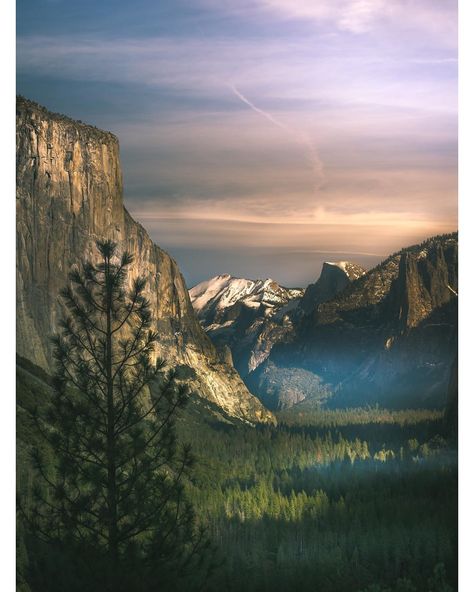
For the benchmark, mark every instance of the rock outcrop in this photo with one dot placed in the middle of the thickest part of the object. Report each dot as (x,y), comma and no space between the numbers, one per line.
(333,279)
(69,194)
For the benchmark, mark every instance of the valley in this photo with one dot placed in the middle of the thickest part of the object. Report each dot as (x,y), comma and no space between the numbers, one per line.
(321,420)
(353,500)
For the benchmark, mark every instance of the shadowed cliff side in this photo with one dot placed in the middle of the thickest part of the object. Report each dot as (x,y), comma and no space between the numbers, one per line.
(69,194)
(389,337)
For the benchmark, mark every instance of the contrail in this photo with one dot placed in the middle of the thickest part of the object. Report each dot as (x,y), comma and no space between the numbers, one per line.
(260,111)
(312,155)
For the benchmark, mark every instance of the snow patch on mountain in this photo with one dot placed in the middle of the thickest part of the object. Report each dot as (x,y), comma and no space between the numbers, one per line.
(352,270)
(341,264)
(213,299)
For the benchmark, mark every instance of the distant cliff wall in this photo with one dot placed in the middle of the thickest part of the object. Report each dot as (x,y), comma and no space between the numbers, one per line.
(69,194)
(389,337)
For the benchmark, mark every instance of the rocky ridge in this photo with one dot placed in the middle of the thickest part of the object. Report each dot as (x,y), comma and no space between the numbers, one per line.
(222,299)
(388,337)
(69,194)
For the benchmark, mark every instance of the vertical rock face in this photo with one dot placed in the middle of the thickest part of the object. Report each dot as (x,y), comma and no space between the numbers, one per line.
(333,279)
(426,281)
(69,194)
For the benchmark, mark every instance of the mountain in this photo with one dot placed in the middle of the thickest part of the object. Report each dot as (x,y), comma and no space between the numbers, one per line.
(69,194)
(223,299)
(244,318)
(335,276)
(389,337)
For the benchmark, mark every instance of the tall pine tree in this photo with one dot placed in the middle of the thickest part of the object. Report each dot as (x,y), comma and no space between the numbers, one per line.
(111,508)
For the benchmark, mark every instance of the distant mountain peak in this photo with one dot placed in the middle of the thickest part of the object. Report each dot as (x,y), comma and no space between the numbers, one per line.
(247,315)
(341,264)
(222,297)
(390,336)
(335,276)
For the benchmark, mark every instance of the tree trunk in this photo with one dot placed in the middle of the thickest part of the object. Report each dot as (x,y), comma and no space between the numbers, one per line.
(111,466)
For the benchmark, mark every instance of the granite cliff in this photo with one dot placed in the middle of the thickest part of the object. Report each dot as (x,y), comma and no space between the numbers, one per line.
(69,194)
(333,279)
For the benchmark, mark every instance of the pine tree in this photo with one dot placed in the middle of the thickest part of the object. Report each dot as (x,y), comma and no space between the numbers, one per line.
(113,497)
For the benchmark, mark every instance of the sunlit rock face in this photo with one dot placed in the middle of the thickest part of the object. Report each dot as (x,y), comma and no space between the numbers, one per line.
(389,337)
(247,316)
(333,279)
(69,194)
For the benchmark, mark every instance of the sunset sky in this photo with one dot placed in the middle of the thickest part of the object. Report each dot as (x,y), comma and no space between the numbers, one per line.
(262,137)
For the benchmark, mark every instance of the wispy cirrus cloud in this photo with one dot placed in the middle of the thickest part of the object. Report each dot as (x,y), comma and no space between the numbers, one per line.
(426,17)
(356,16)
(274,70)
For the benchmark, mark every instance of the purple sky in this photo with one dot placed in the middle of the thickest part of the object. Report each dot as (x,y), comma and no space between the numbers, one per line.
(261,137)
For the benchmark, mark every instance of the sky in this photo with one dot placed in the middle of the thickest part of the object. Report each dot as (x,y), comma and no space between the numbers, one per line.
(262,137)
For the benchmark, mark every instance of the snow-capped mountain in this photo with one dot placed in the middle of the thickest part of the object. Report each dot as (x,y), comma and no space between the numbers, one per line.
(250,316)
(237,313)
(353,337)
(223,299)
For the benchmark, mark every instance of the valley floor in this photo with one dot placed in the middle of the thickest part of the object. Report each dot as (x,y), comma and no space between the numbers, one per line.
(357,500)
(344,501)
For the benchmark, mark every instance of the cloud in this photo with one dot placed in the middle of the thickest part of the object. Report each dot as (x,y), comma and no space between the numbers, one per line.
(295,70)
(247,238)
(384,154)
(426,17)
(356,16)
